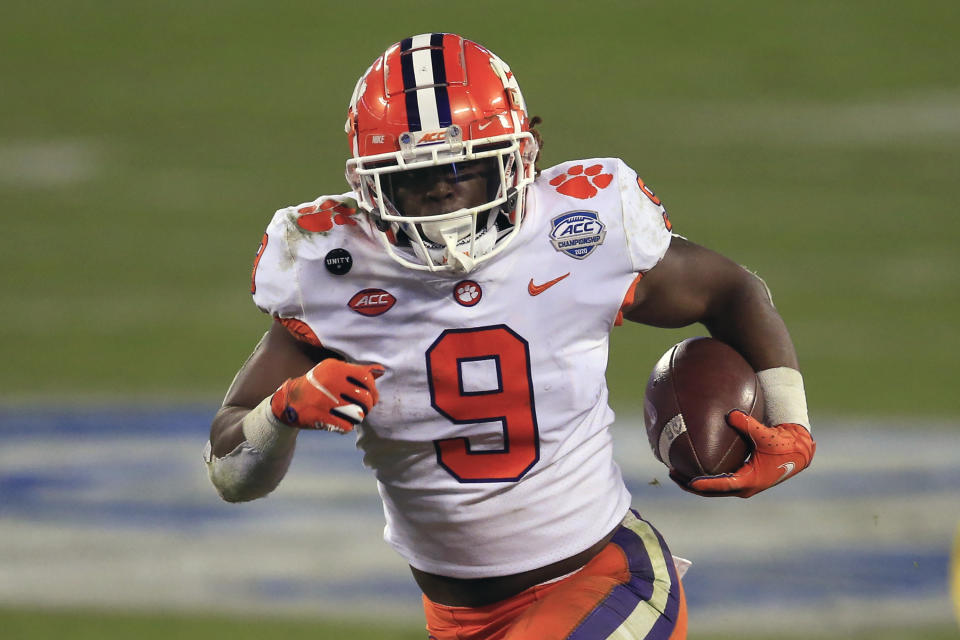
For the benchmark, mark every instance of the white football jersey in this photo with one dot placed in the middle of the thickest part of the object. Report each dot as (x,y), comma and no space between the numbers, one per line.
(490,441)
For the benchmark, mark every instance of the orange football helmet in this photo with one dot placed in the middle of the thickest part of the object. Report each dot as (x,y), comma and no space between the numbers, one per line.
(438,99)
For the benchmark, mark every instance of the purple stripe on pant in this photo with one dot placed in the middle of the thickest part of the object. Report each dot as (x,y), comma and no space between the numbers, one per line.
(624,598)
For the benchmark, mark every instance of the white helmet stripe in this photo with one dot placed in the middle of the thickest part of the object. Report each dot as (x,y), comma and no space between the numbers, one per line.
(423,76)
(421,41)
(428,105)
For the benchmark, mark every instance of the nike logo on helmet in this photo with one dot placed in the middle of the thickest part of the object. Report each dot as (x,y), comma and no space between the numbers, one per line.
(537,289)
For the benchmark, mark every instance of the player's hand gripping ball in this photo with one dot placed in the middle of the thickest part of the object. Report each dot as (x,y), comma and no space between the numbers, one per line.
(778,453)
(333,396)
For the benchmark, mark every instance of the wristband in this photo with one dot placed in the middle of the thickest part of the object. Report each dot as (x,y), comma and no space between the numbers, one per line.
(784,395)
(264,431)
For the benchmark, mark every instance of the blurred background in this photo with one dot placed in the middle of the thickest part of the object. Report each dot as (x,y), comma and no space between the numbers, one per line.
(145,145)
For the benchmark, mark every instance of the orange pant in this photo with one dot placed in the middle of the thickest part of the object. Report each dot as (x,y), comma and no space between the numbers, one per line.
(630,590)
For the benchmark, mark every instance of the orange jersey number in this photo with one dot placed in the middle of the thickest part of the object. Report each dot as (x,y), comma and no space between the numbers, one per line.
(510,402)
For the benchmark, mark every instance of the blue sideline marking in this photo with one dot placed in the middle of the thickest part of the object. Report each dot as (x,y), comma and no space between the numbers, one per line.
(137,489)
(21,422)
(814,577)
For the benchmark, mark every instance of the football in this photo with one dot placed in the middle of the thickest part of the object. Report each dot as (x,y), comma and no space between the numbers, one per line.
(692,388)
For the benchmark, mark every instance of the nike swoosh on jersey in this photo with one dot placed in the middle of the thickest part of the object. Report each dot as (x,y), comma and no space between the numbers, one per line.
(537,289)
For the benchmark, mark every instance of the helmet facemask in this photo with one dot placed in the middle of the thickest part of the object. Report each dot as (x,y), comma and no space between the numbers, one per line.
(449,240)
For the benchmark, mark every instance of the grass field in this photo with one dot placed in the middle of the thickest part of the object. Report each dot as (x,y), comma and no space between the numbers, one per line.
(144,145)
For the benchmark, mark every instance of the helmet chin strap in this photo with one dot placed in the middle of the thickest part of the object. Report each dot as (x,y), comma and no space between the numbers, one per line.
(448,233)
(459,260)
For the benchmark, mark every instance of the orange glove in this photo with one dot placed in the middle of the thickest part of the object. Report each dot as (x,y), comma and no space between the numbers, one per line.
(334,396)
(778,453)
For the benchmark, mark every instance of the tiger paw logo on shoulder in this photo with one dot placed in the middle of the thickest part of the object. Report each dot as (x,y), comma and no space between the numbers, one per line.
(577,233)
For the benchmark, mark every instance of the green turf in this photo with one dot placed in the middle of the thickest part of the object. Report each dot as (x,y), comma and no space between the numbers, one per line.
(88,625)
(60,625)
(144,145)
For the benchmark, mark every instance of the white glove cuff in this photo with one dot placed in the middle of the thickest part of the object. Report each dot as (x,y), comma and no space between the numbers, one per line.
(264,431)
(785,398)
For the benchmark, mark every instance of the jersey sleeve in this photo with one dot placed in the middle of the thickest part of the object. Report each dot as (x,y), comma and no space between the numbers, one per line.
(645,223)
(275,283)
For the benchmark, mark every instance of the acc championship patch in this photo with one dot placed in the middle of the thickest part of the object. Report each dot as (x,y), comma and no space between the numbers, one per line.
(577,233)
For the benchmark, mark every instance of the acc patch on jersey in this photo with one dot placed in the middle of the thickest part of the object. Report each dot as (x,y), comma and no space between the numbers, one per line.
(372,302)
(577,233)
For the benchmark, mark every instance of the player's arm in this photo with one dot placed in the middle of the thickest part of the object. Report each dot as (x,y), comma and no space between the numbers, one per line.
(692,284)
(284,386)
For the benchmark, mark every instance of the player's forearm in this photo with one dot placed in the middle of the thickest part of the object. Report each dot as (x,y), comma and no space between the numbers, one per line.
(249,452)
(226,431)
(750,323)
(745,318)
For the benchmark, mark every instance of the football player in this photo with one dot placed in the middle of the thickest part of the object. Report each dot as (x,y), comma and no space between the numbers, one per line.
(453,309)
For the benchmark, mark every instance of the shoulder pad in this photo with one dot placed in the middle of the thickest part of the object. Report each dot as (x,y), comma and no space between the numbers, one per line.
(295,235)
(324,213)
(581,179)
(645,220)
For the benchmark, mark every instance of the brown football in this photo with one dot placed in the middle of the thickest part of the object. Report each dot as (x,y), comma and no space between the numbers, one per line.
(692,388)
